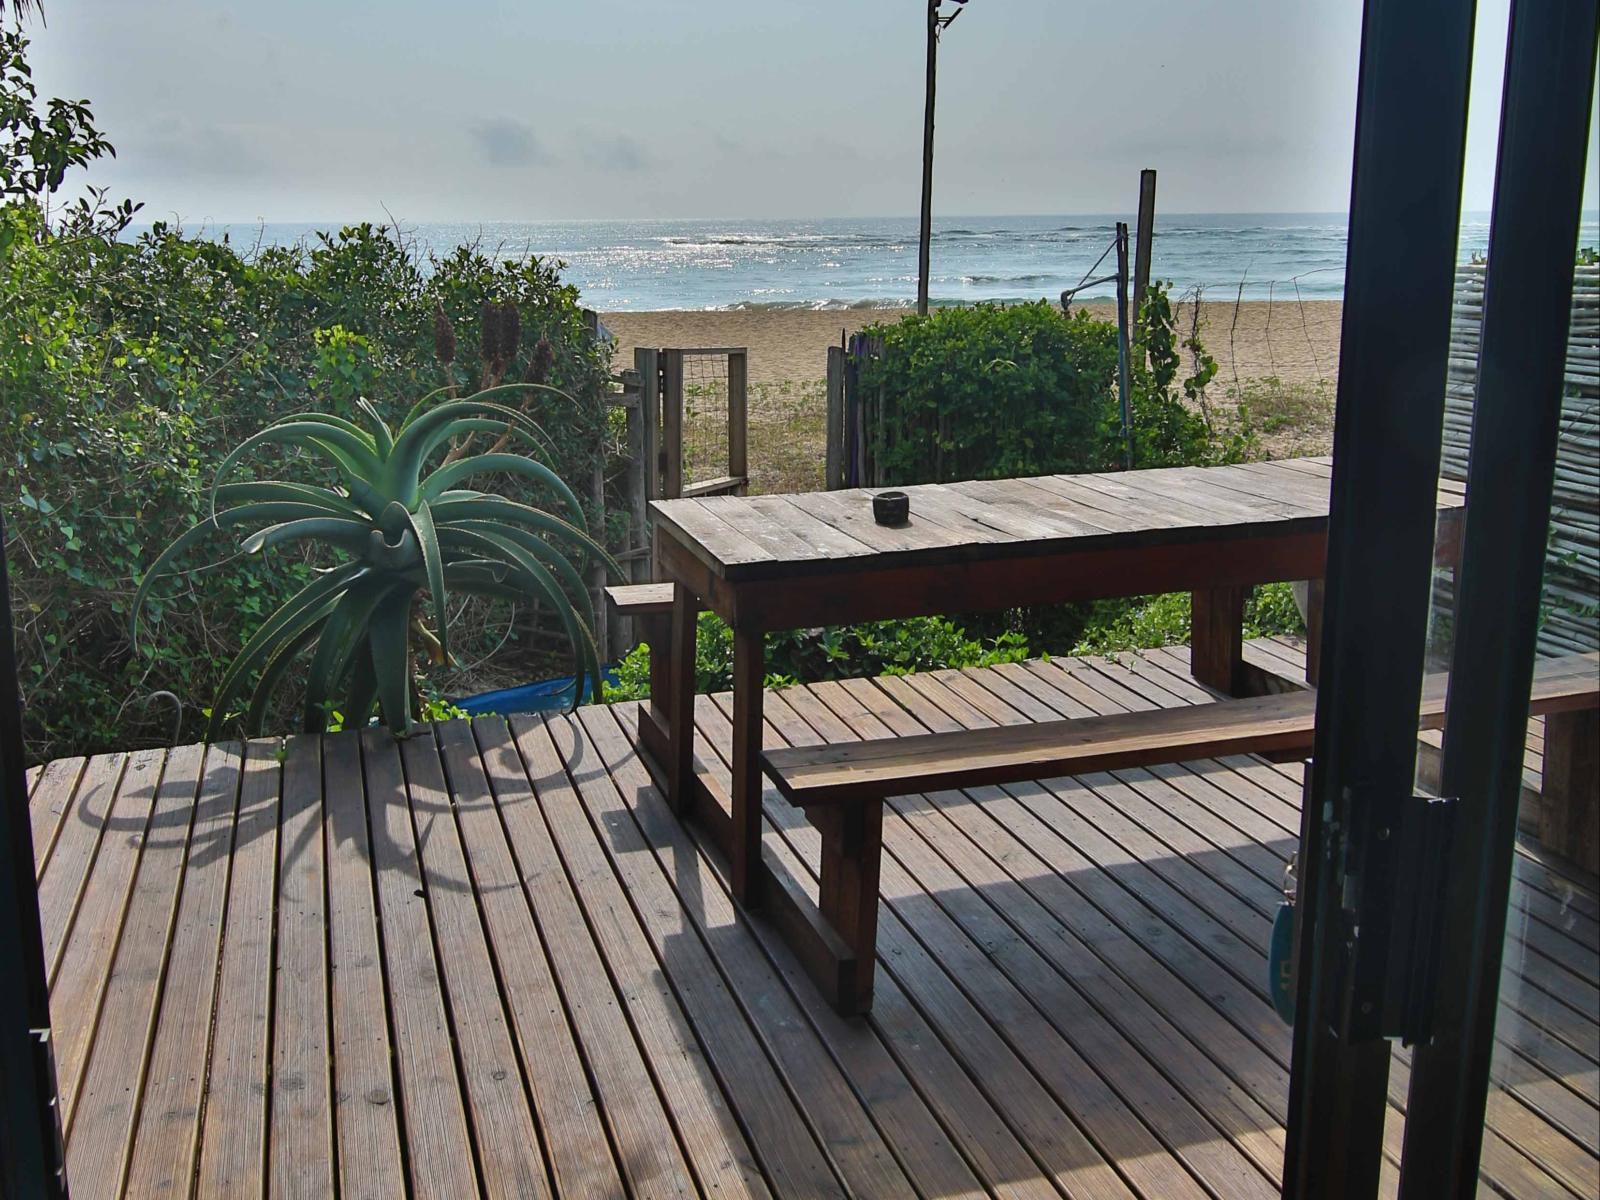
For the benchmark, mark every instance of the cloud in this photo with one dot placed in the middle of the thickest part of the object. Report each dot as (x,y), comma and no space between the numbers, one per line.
(508,143)
(182,149)
(616,153)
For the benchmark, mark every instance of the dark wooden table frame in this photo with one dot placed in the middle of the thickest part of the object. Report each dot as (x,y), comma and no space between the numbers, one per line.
(1219,568)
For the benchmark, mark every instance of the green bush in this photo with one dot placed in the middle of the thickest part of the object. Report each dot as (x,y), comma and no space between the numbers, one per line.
(991,392)
(988,392)
(835,652)
(131,366)
(1147,622)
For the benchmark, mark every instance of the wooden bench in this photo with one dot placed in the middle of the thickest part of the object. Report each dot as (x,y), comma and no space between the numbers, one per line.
(842,787)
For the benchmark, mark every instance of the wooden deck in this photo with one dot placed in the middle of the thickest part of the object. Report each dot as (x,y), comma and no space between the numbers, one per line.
(489,961)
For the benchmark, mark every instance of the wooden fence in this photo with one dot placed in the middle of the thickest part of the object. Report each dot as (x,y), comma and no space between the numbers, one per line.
(1572,566)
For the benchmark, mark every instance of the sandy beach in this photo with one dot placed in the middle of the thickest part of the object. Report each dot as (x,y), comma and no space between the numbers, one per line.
(1253,340)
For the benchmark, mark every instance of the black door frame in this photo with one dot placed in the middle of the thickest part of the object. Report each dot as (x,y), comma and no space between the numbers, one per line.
(1405,204)
(30,1145)
(1538,202)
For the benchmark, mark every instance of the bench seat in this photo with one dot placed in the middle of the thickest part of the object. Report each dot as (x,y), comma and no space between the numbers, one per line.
(842,787)
(1281,724)
(640,599)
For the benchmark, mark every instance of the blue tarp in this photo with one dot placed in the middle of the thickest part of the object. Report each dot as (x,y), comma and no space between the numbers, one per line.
(549,695)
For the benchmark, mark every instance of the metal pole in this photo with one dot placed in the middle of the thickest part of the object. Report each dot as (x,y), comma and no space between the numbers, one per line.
(1123,354)
(30,1129)
(1527,307)
(925,236)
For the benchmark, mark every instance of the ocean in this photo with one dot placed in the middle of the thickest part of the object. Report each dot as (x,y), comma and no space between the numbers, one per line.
(838,263)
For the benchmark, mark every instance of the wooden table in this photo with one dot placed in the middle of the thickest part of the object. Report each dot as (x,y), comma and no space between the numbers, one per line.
(767,563)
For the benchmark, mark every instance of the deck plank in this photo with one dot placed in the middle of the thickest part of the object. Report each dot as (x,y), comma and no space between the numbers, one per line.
(55,786)
(167,1130)
(1070,995)
(66,873)
(781,1138)
(234,1134)
(539,936)
(301,1135)
(440,1157)
(844,1127)
(105,1093)
(910,1127)
(510,1153)
(365,1099)
(83,966)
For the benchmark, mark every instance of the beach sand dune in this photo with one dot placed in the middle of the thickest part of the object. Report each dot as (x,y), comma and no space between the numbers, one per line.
(1256,339)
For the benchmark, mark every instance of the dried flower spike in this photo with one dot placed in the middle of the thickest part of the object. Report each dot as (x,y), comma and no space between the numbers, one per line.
(444,336)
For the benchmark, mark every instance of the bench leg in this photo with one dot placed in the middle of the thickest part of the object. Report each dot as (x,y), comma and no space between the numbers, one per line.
(749,671)
(1568,823)
(852,848)
(1216,639)
(679,687)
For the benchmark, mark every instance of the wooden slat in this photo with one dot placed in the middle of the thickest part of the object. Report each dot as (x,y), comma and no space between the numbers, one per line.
(860,770)
(1137,1081)
(573,1116)
(1039,1121)
(510,1155)
(913,1133)
(365,1100)
(439,1154)
(67,869)
(233,1138)
(640,599)
(301,1121)
(78,974)
(166,1134)
(52,796)
(104,1106)
(778,1131)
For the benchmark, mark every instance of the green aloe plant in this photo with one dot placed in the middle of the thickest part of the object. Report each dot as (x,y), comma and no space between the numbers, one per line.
(402,529)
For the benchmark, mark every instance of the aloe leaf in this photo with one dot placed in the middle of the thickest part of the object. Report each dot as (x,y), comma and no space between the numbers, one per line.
(343,634)
(355,449)
(498,508)
(277,490)
(534,544)
(447,477)
(339,530)
(363,689)
(419,438)
(586,654)
(271,675)
(433,563)
(308,607)
(383,436)
(388,635)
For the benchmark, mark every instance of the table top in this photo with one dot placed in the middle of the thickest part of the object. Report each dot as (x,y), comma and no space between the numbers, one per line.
(763,537)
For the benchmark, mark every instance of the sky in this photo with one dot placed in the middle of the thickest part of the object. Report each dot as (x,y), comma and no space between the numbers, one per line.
(524,110)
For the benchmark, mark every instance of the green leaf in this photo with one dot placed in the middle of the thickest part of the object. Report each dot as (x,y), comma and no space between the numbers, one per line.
(389,641)
(352,535)
(512,464)
(433,563)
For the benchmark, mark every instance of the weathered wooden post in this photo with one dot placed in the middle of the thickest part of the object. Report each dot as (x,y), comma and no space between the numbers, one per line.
(738,405)
(834,474)
(671,470)
(1144,235)
(1123,355)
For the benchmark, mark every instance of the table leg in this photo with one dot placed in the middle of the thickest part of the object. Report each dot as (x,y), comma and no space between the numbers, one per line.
(1315,591)
(1216,638)
(749,670)
(680,704)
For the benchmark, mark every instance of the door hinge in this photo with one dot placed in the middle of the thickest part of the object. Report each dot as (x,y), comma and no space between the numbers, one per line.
(1392,867)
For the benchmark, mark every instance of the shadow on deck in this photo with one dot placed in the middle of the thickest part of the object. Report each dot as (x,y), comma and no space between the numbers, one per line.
(488,960)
